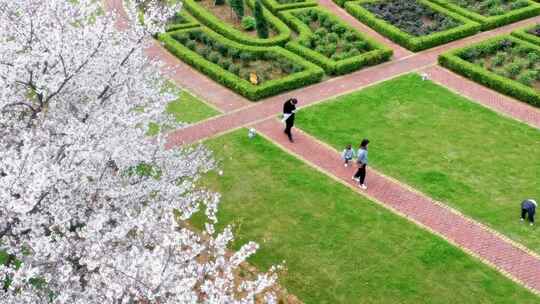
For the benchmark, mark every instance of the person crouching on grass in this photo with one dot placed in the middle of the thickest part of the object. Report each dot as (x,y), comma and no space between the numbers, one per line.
(362,161)
(347,155)
(528,209)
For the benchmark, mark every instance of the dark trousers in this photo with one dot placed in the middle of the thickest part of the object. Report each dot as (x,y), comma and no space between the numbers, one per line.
(289,123)
(361,173)
(529,213)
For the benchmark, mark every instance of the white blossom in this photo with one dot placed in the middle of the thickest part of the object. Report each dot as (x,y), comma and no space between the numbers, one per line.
(94,210)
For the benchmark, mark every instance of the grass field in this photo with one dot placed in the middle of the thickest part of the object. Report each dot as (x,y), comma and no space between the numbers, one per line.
(187,109)
(338,246)
(450,148)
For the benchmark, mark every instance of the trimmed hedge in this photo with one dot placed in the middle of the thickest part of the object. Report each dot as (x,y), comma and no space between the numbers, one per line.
(453,61)
(213,22)
(407,40)
(190,22)
(378,54)
(490,22)
(524,34)
(275,6)
(309,75)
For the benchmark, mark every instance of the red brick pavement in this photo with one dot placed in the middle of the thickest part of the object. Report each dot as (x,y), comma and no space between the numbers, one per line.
(484,96)
(488,246)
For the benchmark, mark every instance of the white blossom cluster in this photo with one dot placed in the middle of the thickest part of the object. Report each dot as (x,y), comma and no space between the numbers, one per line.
(91,209)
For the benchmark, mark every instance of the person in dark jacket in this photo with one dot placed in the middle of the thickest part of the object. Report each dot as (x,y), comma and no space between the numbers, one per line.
(362,161)
(289,110)
(528,209)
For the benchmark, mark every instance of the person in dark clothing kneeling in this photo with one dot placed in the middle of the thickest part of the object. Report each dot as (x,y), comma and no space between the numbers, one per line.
(528,209)
(289,110)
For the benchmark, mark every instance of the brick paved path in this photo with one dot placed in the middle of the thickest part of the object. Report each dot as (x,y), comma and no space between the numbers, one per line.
(485,96)
(510,258)
(493,249)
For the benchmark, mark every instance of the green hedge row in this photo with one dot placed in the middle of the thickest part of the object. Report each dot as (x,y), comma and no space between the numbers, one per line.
(378,54)
(533,9)
(309,75)
(524,34)
(453,61)
(275,6)
(413,43)
(190,22)
(213,22)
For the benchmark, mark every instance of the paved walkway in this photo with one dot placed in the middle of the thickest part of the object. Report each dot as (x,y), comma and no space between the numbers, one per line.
(511,259)
(484,96)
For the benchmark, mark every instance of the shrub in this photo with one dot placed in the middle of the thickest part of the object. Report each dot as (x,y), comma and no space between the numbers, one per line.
(219,2)
(494,14)
(321,46)
(533,59)
(225,63)
(332,37)
(498,59)
(309,74)
(261,24)
(214,57)
(192,45)
(413,43)
(530,34)
(245,56)
(248,23)
(205,17)
(238,8)
(234,68)
(527,78)
(454,61)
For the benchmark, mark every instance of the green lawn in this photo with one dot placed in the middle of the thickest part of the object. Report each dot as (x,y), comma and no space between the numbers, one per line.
(188,109)
(450,148)
(338,246)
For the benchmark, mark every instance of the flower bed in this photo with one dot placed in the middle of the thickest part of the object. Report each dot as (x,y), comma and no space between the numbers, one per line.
(505,63)
(232,64)
(491,14)
(329,42)
(181,20)
(414,24)
(207,18)
(279,5)
(530,34)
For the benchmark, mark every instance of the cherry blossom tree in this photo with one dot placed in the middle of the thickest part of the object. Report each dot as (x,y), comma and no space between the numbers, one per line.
(93,211)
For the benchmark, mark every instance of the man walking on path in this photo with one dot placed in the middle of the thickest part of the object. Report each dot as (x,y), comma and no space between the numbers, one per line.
(362,162)
(528,208)
(289,109)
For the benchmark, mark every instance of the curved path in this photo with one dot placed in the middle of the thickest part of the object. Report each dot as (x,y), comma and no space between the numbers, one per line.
(510,258)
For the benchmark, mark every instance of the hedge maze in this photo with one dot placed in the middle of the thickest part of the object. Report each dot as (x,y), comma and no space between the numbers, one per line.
(304,43)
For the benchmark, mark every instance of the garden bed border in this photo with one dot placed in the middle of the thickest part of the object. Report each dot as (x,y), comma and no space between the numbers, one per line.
(275,6)
(407,40)
(311,74)
(523,33)
(191,22)
(380,52)
(207,18)
(491,22)
(454,62)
